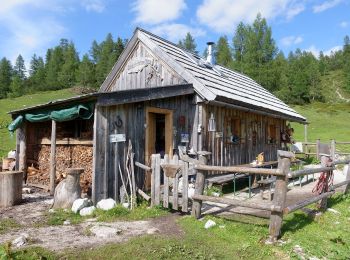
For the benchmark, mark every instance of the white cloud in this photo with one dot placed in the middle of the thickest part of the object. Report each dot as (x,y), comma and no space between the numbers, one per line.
(223,15)
(291,40)
(294,10)
(325,6)
(157,11)
(332,50)
(316,51)
(344,24)
(97,6)
(174,32)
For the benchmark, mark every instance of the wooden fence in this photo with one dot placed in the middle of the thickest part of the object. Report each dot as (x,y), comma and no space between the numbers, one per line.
(165,179)
(333,147)
(277,207)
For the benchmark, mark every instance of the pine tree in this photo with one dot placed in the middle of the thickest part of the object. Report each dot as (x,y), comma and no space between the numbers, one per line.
(239,46)
(188,43)
(37,74)
(104,63)
(95,52)
(16,87)
(19,69)
(66,75)
(53,67)
(86,73)
(5,77)
(223,53)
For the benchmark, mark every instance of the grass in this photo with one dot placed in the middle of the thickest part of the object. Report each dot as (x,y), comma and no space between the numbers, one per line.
(327,121)
(328,238)
(118,213)
(8,224)
(7,142)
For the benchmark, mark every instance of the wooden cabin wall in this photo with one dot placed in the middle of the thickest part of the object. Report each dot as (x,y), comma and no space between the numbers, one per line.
(143,70)
(227,153)
(108,156)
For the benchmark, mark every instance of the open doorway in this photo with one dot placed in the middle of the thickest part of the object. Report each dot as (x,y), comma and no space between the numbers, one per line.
(159,135)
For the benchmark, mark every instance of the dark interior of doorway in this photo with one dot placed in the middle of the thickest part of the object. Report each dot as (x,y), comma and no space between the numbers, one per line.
(160,134)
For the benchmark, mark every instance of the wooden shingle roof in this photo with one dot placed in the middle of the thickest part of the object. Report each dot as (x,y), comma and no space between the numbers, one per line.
(214,83)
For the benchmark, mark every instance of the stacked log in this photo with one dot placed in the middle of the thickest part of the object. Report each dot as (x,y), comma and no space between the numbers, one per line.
(67,156)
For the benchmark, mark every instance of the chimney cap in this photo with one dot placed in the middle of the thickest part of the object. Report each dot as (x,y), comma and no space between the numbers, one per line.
(210,43)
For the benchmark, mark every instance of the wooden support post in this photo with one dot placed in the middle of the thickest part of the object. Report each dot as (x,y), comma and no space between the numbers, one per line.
(199,188)
(22,158)
(318,143)
(347,187)
(53,158)
(305,134)
(333,149)
(324,163)
(280,195)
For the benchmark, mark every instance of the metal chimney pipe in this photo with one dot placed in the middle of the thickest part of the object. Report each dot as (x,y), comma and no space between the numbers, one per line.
(210,57)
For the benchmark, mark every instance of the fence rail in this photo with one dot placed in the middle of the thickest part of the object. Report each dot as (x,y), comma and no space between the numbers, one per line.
(277,207)
(332,147)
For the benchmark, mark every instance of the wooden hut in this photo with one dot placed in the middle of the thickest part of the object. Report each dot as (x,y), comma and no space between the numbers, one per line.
(164,98)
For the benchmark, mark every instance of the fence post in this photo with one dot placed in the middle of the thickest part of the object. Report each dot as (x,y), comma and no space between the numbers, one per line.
(199,188)
(323,202)
(333,149)
(347,186)
(318,143)
(279,198)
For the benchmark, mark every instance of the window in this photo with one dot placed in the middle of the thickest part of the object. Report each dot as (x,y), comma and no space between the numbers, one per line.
(232,130)
(271,134)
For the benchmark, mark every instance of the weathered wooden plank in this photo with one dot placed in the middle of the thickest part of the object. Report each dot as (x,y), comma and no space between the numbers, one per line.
(22,156)
(246,170)
(347,187)
(298,173)
(157,179)
(142,166)
(184,169)
(175,201)
(247,204)
(53,158)
(166,184)
(304,203)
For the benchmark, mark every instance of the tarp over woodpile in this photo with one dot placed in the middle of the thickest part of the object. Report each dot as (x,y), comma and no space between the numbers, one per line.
(79,111)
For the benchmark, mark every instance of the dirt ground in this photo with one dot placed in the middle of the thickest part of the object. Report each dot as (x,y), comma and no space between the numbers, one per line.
(32,212)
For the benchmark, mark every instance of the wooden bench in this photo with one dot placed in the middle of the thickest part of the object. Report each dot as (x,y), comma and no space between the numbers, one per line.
(226,178)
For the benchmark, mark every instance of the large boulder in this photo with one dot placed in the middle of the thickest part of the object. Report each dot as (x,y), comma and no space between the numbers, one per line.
(106,204)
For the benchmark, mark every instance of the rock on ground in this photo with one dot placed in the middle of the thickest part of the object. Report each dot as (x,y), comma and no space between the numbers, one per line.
(106,204)
(87,211)
(79,204)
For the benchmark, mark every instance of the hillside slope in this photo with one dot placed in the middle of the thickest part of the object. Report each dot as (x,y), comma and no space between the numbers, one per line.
(7,142)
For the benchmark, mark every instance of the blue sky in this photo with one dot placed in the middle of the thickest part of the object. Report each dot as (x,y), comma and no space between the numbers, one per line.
(32,26)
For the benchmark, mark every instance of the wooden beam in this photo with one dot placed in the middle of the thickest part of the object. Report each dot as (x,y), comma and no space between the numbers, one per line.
(53,158)
(298,173)
(302,204)
(240,203)
(347,187)
(22,156)
(236,169)
(139,95)
(142,166)
(67,141)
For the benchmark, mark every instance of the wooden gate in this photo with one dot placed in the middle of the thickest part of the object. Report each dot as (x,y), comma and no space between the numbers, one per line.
(166,187)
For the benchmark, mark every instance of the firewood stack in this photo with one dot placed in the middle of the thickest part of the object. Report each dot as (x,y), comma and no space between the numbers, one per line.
(66,157)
